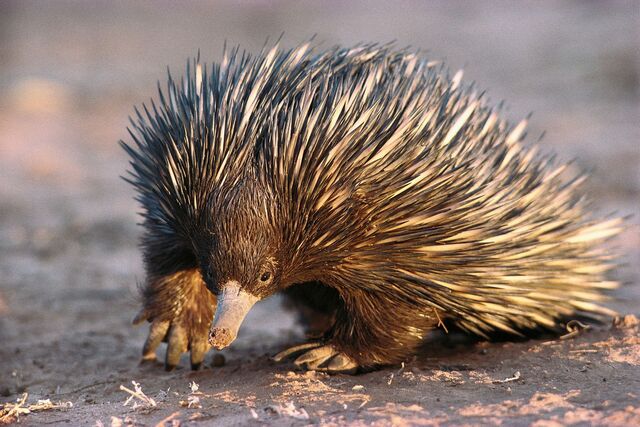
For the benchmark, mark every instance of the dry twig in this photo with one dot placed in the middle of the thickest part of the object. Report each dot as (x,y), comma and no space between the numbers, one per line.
(515,377)
(288,410)
(193,399)
(10,412)
(574,328)
(145,401)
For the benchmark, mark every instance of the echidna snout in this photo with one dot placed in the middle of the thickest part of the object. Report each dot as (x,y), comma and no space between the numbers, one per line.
(233,305)
(220,338)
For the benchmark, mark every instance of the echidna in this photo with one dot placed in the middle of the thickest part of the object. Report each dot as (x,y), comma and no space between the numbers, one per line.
(369,186)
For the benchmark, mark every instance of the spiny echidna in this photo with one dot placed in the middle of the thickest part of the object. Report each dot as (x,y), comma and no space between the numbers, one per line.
(367,185)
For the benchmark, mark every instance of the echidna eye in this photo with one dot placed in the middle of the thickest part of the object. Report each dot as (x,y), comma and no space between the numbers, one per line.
(265,276)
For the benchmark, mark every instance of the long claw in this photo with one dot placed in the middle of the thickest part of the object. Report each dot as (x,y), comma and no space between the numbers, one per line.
(199,348)
(313,359)
(319,357)
(342,363)
(140,317)
(293,350)
(157,332)
(177,345)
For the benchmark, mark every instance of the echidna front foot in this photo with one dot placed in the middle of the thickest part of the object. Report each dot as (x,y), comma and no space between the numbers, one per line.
(319,357)
(179,340)
(180,310)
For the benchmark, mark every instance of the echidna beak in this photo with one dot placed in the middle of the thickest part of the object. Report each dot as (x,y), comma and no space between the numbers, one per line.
(233,305)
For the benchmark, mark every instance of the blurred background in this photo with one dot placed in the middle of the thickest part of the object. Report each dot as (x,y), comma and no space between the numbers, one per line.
(70,73)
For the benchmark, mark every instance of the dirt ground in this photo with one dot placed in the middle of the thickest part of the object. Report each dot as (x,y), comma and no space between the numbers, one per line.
(69,76)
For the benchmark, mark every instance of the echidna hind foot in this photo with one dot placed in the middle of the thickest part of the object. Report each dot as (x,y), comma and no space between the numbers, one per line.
(316,356)
(364,332)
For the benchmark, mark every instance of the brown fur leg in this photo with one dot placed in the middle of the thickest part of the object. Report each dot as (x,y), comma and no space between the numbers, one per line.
(374,330)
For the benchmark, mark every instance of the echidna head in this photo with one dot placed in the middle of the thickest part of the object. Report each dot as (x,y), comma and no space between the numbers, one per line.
(239,255)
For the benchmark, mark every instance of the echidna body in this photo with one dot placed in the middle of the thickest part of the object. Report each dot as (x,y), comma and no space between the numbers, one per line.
(369,186)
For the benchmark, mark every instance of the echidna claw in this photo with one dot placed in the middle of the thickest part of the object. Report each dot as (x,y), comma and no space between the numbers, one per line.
(284,354)
(318,357)
(140,317)
(315,358)
(157,333)
(343,364)
(199,347)
(177,343)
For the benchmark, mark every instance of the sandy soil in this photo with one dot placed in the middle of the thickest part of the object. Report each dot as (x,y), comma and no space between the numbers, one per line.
(70,73)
